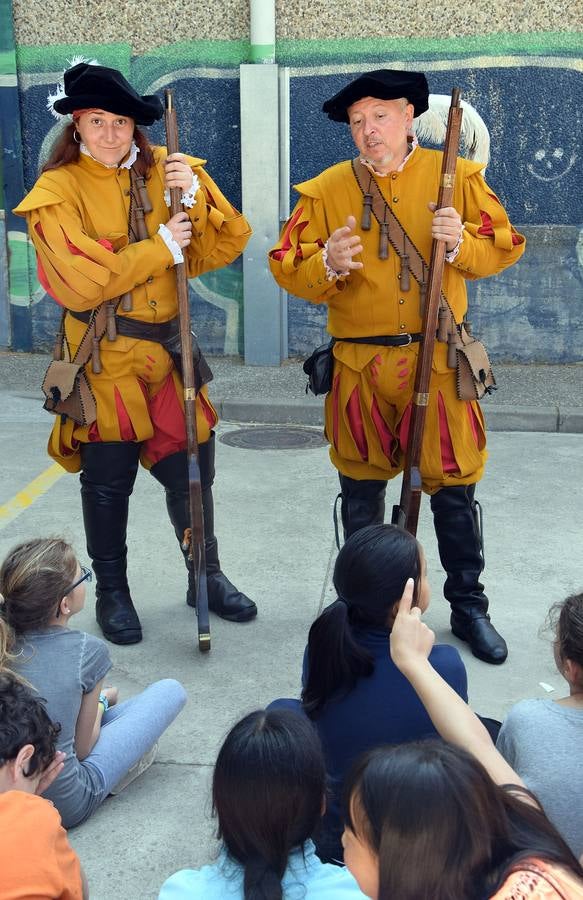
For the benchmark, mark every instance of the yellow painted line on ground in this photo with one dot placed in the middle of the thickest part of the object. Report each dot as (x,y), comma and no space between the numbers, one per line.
(25,498)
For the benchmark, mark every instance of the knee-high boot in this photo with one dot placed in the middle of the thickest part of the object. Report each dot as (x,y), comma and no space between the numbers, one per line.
(107,480)
(172,472)
(460,551)
(362,504)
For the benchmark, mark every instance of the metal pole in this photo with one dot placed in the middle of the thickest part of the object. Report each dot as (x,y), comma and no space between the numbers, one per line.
(262,31)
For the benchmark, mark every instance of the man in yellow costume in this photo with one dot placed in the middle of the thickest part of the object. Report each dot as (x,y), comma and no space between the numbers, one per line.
(100,222)
(375,315)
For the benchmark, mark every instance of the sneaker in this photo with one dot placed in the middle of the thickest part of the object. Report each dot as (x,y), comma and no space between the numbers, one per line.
(136,770)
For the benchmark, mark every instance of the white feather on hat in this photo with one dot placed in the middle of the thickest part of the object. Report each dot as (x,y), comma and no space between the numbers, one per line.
(59,91)
(431,126)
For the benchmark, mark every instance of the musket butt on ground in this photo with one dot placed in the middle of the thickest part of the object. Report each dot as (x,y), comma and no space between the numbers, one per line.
(204,642)
(398,516)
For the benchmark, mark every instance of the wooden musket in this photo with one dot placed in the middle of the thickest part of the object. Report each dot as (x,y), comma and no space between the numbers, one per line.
(193,541)
(406,514)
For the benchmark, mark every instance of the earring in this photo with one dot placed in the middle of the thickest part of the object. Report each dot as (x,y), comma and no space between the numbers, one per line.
(76,136)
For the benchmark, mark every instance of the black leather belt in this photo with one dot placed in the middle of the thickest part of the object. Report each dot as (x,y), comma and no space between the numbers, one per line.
(384,340)
(159,332)
(165,333)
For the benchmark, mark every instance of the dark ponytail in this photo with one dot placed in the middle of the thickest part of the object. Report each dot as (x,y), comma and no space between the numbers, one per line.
(268,789)
(370,574)
(262,881)
(334,658)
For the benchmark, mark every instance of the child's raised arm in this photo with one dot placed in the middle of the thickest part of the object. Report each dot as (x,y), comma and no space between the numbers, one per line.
(410,644)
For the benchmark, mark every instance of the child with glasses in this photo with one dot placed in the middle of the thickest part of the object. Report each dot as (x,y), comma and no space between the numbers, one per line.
(107,744)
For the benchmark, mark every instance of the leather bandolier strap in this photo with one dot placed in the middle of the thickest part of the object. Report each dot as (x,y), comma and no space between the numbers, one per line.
(411,259)
(465,354)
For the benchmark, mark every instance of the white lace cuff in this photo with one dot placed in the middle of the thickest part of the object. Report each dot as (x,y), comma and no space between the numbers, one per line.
(174,248)
(331,274)
(188,198)
(449,257)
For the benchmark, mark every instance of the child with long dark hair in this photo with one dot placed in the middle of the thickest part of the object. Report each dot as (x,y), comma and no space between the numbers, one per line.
(352,691)
(428,821)
(106,743)
(543,739)
(268,796)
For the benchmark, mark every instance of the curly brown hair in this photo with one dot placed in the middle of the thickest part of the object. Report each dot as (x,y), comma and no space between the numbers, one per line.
(24,720)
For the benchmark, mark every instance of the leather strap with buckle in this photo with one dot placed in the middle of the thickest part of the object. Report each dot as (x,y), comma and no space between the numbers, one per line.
(385,340)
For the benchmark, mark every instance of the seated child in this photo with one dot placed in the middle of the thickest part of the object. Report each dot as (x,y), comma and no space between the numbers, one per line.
(36,859)
(448,819)
(352,691)
(269,789)
(543,739)
(106,743)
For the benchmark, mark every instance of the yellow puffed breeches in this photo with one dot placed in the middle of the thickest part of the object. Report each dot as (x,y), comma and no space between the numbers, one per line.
(368,414)
(139,397)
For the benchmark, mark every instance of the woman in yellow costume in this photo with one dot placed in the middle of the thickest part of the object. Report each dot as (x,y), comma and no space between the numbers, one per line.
(83,216)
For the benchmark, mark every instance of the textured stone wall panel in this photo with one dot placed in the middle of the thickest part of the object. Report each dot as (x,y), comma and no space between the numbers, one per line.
(151,24)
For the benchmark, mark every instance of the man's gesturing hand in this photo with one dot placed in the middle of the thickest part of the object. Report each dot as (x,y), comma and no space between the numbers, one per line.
(343,245)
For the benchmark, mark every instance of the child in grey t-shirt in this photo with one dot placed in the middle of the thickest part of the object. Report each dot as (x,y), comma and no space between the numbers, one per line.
(543,739)
(43,585)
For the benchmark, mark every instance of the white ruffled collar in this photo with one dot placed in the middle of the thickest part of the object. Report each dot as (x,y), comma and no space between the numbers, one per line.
(127,164)
(412,144)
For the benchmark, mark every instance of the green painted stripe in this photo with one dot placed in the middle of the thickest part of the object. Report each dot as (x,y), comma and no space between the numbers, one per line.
(55,57)
(262,53)
(227,54)
(293,52)
(156,64)
(7,63)
(18,268)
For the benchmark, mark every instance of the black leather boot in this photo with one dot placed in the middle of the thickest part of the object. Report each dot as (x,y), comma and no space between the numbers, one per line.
(363,503)
(460,550)
(107,480)
(224,598)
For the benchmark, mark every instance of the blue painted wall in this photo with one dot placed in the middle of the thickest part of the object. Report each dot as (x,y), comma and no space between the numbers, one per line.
(534,311)
(532,104)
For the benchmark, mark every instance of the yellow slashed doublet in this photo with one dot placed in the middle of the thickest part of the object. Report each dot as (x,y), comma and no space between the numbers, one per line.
(68,211)
(367,410)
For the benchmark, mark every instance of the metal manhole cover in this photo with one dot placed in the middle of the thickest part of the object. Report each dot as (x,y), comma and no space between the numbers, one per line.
(278,437)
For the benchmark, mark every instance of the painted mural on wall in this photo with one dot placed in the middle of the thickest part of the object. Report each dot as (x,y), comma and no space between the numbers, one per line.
(531,102)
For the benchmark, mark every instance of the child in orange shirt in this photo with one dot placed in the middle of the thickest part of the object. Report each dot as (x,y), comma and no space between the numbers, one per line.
(36,859)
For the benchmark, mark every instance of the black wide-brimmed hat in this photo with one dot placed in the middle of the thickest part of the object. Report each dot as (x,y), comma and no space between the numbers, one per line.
(88,86)
(384,84)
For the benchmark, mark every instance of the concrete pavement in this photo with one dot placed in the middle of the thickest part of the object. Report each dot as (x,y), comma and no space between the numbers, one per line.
(276,540)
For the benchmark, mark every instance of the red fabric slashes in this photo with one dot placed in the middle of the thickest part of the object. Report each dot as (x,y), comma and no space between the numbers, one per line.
(286,241)
(386,439)
(355,423)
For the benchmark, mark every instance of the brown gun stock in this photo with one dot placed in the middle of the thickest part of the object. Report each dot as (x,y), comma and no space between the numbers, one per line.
(406,514)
